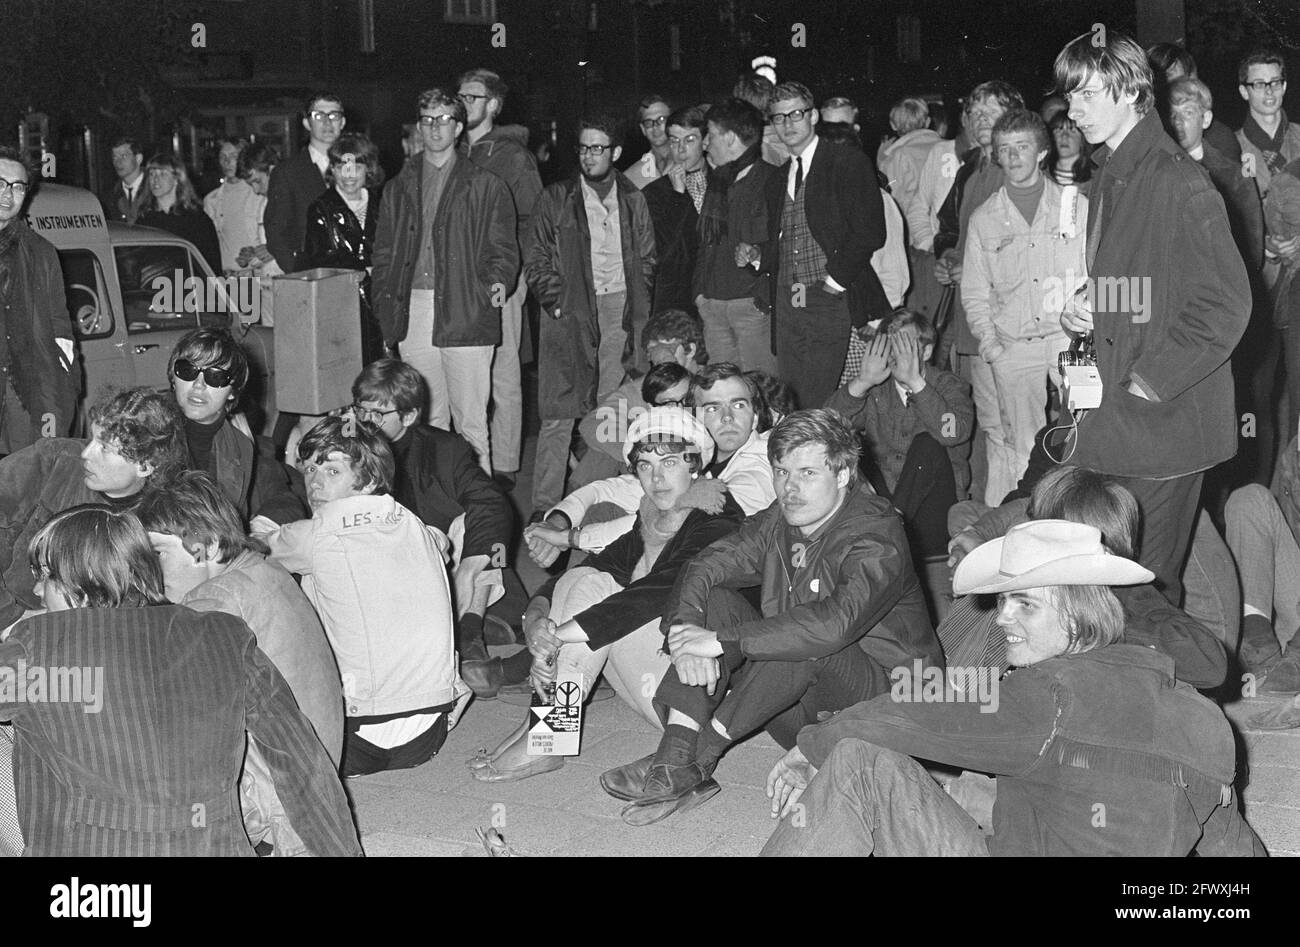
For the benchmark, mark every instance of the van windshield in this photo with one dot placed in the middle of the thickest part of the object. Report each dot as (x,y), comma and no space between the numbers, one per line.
(163,288)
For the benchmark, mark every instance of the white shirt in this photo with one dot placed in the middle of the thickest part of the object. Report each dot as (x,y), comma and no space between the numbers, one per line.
(807,157)
(319,158)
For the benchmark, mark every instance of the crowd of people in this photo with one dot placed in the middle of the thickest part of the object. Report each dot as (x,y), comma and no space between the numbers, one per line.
(780,382)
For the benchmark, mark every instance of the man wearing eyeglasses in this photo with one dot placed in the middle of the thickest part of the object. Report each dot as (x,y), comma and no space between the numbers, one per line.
(825,219)
(38,394)
(1265,135)
(591,265)
(652,118)
(675,201)
(299,180)
(446,261)
(503,150)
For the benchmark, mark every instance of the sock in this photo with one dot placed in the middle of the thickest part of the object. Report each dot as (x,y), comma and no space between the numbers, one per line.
(677,746)
(1258,630)
(710,748)
(469,635)
(517,666)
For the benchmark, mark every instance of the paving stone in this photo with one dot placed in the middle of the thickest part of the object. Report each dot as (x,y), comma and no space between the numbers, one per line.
(393,845)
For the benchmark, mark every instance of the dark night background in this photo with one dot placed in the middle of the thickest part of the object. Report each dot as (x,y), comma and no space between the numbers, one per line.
(98,68)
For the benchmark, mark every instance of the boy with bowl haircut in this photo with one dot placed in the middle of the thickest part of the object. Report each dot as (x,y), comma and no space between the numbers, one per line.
(377,578)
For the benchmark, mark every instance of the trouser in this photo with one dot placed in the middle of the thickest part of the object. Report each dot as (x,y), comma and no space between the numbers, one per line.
(784,696)
(1020,398)
(507,387)
(360,756)
(459,377)
(925,491)
(11,835)
(1169,509)
(1291,350)
(736,330)
(1268,557)
(812,342)
(868,800)
(613,339)
(988,439)
(633,665)
(551,462)
(1211,593)
(265,819)
(595,465)
(924,292)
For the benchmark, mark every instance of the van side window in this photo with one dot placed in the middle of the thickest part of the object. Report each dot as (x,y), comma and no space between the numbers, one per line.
(88,298)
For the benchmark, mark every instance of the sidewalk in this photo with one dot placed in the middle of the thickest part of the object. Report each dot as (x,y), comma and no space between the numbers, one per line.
(434,809)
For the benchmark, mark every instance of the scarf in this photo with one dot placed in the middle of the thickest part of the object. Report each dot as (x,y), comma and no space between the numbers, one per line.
(658,527)
(713,214)
(1270,147)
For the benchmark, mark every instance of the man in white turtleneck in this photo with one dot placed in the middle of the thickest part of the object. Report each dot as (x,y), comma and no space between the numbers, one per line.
(1024,257)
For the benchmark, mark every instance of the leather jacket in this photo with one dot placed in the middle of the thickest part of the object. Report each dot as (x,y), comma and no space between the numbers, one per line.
(335,238)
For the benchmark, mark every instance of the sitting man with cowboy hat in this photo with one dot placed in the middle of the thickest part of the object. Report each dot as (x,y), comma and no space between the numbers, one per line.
(1097,748)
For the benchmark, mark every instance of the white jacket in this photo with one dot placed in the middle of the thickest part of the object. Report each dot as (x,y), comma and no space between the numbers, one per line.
(377,577)
(1017,276)
(748,477)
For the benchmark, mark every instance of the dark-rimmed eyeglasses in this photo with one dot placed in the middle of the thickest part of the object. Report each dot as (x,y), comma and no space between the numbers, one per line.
(428,121)
(596,150)
(372,415)
(794,115)
(17,188)
(186,370)
(653,122)
(469,98)
(1265,85)
(319,116)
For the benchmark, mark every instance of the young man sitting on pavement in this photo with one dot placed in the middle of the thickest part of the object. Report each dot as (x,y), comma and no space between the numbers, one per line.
(841,606)
(438,478)
(377,578)
(730,405)
(1086,725)
(917,420)
(137,439)
(210,565)
(608,609)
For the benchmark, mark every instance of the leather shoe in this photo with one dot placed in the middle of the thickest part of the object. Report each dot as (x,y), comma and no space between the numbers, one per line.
(1284,679)
(671,789)
(627,782)
(1285,716)
(483,677)
(493,772)
(496,631)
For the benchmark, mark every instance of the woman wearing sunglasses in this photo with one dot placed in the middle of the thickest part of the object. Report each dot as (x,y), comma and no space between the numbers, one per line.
(207,372)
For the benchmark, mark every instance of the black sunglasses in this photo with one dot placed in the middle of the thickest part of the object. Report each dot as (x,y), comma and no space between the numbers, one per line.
(186,370)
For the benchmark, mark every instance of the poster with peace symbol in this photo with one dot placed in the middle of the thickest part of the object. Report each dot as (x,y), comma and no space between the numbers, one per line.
(555,724)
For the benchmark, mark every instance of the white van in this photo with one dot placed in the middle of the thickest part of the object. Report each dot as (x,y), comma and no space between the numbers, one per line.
(123,329)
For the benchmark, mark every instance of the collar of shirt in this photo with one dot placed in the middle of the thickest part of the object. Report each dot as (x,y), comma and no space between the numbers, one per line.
(903,392)
(129,185)
(1198,153)
(807,156)
(319,158)
(592,196)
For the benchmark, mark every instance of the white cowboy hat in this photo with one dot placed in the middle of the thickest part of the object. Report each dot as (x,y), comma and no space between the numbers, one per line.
(1044,553)
(670,423)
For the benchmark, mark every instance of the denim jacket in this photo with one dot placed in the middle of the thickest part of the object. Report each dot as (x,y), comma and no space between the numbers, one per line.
(1016,276)
(1100,753)
(376,575)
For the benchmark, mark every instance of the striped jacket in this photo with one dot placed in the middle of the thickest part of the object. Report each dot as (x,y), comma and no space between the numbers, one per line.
(129,734)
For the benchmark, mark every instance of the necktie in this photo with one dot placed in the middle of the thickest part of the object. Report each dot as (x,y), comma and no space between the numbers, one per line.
(798,173)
